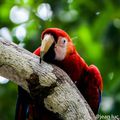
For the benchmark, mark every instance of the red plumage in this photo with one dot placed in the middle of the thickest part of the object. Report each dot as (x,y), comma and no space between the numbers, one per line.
(56,33)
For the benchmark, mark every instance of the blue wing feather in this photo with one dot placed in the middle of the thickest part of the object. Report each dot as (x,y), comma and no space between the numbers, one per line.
(22,104)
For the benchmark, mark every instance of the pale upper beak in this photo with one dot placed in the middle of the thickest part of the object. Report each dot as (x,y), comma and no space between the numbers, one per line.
(46,44)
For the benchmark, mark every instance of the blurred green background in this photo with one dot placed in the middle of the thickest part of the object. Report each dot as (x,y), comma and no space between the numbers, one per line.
(94,27)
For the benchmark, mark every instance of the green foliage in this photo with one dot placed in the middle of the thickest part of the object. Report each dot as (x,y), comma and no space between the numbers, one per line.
(94,27)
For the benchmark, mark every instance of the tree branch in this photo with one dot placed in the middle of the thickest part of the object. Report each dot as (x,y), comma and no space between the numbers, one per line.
(60,95)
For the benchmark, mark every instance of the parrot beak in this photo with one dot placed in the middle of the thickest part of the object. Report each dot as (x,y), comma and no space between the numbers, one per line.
(46,44)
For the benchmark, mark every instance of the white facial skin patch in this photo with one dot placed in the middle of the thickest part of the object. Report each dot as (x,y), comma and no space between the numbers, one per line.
(61,48)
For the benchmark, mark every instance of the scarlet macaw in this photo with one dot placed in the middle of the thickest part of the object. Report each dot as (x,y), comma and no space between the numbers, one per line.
(57,48)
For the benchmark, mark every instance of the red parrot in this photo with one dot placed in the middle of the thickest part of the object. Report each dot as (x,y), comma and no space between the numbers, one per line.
(57,48)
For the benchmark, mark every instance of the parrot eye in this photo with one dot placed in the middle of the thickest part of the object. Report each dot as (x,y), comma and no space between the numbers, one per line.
(64,40)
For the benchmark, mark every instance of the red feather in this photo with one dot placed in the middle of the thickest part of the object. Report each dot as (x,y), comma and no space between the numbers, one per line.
(56,32)
(37,51)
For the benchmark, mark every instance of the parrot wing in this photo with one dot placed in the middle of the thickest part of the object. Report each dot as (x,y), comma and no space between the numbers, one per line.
(22,104)
(92,87)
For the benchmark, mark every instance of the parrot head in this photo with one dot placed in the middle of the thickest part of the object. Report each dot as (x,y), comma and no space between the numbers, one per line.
(56,45)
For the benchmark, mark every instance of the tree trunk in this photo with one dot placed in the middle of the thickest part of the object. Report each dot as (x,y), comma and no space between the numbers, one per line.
(59,93)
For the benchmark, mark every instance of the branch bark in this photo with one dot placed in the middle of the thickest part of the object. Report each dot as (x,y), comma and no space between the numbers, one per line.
(59,92)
